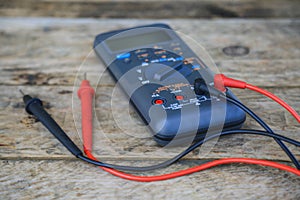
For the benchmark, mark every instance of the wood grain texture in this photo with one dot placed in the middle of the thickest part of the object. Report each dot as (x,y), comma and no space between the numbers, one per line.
(47,49)
(152,8)
(76,180)
(42,56)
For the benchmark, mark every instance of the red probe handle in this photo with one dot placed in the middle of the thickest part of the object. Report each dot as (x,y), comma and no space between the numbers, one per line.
(86,94)
(221,81)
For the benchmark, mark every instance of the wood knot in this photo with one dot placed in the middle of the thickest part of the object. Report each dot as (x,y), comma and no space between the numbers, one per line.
(236,50)
(29,120)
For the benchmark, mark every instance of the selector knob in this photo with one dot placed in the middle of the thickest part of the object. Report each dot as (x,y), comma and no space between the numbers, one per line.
(159,72)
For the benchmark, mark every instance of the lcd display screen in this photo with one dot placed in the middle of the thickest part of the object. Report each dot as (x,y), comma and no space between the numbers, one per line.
(137,40)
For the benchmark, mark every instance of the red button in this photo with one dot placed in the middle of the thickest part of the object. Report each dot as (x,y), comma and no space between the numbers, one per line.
(158,101)
(179,97)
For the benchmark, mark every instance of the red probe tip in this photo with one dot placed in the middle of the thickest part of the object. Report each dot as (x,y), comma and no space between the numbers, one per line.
(85,87)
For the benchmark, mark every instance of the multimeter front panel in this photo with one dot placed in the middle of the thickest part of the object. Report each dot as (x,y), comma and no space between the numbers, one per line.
(157,70)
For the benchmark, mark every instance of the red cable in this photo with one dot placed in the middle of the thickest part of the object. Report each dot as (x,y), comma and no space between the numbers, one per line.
(275,98)
(86,93)
(196,169)
(221,81)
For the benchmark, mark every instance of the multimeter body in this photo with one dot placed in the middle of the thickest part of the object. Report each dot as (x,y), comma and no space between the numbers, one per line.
(157,70)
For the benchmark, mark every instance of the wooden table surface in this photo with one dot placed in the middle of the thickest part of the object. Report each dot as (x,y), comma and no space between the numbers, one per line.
(42,56)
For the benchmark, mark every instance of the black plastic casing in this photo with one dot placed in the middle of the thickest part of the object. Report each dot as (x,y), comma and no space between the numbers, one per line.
(178,126)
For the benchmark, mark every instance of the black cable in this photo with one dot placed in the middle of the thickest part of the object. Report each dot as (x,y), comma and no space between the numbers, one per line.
(34,107)
(201,88)
(188,150)
(266,127)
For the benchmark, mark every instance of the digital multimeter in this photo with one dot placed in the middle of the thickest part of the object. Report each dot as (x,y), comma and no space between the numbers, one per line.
(157,70)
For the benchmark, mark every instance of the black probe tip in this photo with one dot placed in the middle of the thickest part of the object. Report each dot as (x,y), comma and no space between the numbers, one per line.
(26,97)
(29,100)
(21,92)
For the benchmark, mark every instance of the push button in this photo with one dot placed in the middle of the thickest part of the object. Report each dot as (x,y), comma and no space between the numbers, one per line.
(123,56)
(179,58)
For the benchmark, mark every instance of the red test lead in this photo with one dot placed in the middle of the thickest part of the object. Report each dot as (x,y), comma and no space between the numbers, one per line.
(221,81)
(86,94)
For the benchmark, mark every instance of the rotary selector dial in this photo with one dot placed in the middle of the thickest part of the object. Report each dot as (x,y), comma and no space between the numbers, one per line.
(160,72)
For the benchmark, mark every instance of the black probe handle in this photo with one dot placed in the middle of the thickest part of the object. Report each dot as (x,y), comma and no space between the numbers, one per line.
(34,107)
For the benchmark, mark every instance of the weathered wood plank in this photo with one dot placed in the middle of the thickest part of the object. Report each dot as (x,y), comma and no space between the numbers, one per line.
(152,8)
(41,56)
(58,39)
(44,48)
(76,180)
